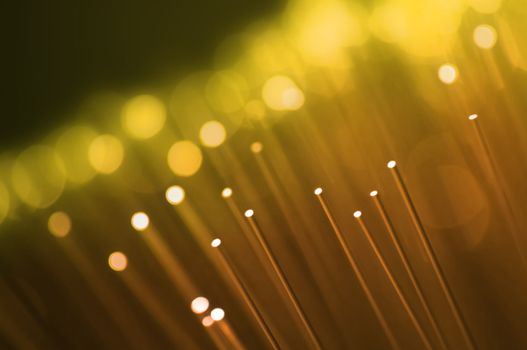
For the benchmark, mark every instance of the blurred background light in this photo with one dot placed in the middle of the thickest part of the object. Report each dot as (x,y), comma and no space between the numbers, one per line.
(117,261)
(175,194)
(184,158)
(72,148)
(199,305)
(226,91)
(105,154)
(140,221)
(447,73)
(281,93)
(59,224)
(143,116)
(485,36)
(212,134)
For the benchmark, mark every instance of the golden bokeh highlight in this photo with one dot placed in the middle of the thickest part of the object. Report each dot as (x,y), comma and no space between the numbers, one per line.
(140,221)
(447,73)
(212,134)
(217,314)
(199,305)
(281,93)
(59,224)
(71,148)
(485,36)
(207,321)
(4,202)
(117,261)
(175,195)
(106,154)
(143,116)
(38,176)
(184,158)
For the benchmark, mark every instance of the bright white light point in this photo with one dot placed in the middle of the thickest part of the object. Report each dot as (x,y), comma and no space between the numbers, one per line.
(318,191)
(140,221)
(199,305)
(215,242)
(357,214)
(485,36)
(447,73)
(249,213)
(373,193)
(207,321)
(227,192)
(472,116)
(256,147)
(391,164)
(175,194)
(217,314)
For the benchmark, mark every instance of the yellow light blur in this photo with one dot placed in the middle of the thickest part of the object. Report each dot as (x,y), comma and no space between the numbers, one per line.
(175,195)
(199,305)
(140,221)
(485,36)
(106,154)
(256,147)
(59,224)
(226,91)
(184,158)
(38,176)
(117,261)
(71,148)
(143,116)
(281,93)
(485,6)
(447,73)
(212,134)
(4,202)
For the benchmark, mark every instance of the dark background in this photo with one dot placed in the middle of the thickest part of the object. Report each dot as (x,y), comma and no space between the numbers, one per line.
(58,52)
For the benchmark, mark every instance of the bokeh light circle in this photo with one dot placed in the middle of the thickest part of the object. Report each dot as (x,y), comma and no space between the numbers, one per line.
(143,116)
(184,158)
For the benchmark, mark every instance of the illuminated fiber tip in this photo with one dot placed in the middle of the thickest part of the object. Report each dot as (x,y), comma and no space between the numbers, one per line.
(256,147)
(391,164)
(207,321)
(249,213)
(199,305)
(140,221)
(227,192)
(447,73)
(373,193)
(317,191)
(217,314)
(59,224)
(472,117)
(175,195)
(117,261)
(212,134)
(357,214)
(215,242)
(485,36)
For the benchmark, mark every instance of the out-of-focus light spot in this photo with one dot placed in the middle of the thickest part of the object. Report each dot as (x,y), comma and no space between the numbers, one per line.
(249,213)
(256,147)
(281,93)
(184,158)
(4,202)
(357,214)
(175,194)
(71,147)
(207,321)
(255,109)
(216,242)
(199,305)
(38,176)
(226,91)
(59,224)
(143,116)
(106,154)
(117,261)
(318,191)
(212,134)
(485,6)
(217,314)
(140,221)
(485,36)
(227,192)
(447,73)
